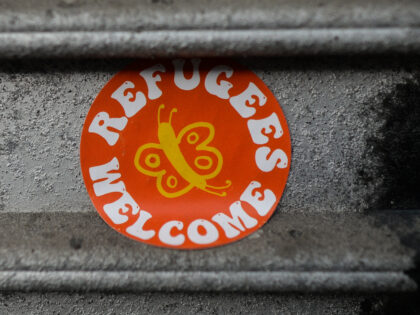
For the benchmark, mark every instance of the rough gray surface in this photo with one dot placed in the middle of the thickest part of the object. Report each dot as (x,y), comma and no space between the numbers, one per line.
(288,242)
(293,252)
(250,281)
(43,105)
(178,303)
(133,15)
(64,28)
(51,238)
(212,43)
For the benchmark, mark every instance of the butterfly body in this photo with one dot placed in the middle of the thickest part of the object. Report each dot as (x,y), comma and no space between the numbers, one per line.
(188,174)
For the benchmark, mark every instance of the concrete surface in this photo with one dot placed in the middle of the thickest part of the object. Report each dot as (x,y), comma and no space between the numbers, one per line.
(213,43)
(178,303)
(292,253)
(354,123)
(207,28)
(182,14)
(333,107)
(291,242)
(134,15)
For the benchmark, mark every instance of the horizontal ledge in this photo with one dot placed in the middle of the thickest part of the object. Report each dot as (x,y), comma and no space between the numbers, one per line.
(289,242)
(210,43)
(125,15)
(139,281)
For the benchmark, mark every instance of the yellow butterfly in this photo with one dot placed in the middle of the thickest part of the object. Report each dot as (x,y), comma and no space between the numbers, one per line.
(191,161)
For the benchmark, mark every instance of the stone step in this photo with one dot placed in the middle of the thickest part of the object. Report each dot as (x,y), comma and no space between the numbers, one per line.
(61,28)
(297,252)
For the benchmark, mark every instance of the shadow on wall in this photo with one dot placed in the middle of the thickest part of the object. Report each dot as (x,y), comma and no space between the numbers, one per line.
(395,149)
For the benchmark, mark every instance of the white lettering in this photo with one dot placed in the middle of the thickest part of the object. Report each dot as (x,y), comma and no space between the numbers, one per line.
(102,122)
(211,232)
(137,228)
(151,77)
(254,199)
(236,213)
(106,185)
(260,128)
(267,163)
(131,106)
(222,89)
(240,102)
(116,210)
(180,80)
(165,233)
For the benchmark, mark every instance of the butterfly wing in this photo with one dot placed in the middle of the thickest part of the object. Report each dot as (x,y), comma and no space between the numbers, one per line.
(151,160)
(194,141)
(171,185)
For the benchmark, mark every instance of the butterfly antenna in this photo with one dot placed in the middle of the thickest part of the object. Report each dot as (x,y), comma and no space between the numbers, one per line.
(161,106)
(170,114)
(221,194)
(227,185)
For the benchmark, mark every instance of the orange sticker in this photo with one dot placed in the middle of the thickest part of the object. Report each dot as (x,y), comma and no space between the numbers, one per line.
(185,153)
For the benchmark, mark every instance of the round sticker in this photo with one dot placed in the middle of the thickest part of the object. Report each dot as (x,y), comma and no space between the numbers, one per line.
(185,153)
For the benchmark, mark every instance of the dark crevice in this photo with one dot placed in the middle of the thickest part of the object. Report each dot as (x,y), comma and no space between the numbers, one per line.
(403,224)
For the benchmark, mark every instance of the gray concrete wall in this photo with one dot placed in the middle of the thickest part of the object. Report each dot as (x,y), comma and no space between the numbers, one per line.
(354,124)
(207,28)
(332,106)
(178,303)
